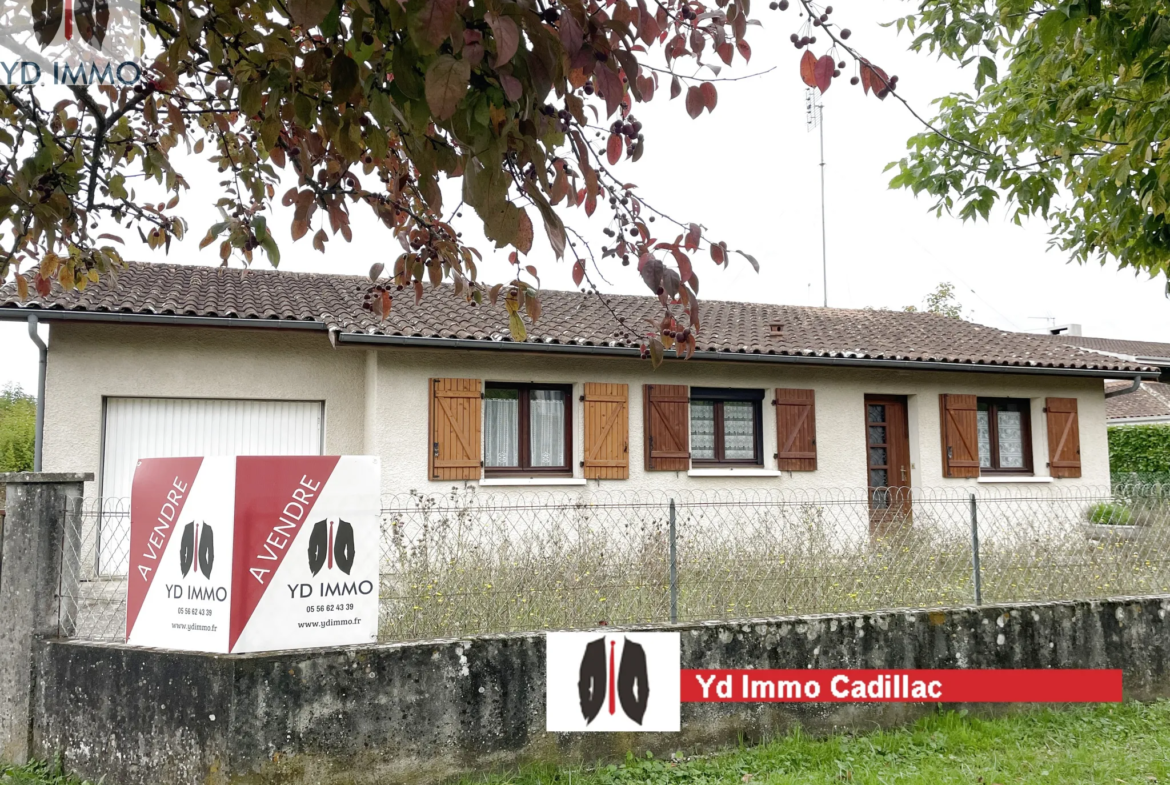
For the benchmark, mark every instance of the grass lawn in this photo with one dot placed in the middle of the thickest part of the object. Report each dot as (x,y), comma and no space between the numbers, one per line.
(1128,744)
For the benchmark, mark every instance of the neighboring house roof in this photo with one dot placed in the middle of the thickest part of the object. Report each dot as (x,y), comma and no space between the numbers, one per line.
(570,322)
(1149,402)
(1142,350)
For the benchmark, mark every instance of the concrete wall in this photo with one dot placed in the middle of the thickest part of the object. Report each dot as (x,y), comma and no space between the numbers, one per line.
(421,712)
(376,400)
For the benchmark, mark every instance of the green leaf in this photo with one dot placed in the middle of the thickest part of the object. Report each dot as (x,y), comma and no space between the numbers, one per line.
(446,84)
(343,78)
(1049,26)
(406,76)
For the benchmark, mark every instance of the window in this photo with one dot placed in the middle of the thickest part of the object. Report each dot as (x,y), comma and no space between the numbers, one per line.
(725,426)
(1005,435)
(527,429)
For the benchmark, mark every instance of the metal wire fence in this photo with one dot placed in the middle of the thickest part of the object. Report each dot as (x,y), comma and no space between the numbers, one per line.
(468,562)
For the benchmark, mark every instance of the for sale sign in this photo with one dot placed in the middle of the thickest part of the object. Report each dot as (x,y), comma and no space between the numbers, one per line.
(254,553)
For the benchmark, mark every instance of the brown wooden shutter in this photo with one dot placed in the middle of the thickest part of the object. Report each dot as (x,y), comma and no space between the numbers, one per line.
(455,414)
(607,431)
(1064,437)
(960,435)
(796,430)
(667,429)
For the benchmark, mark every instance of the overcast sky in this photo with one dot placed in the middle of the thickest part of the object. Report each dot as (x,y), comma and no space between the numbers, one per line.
(749,173)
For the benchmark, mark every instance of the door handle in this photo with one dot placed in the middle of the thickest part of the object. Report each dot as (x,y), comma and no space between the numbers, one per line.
(903,473)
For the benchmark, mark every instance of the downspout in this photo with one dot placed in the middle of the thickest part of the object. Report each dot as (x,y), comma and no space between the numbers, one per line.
(1137,383)
(44,350)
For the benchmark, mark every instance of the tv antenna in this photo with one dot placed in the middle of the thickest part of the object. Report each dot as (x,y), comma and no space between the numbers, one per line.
(812,119)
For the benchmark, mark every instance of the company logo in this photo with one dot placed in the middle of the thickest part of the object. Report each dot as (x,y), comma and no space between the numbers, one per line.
(197,545)
(632,680)
(90,19)
(70,42)
(331,542)
(604,683)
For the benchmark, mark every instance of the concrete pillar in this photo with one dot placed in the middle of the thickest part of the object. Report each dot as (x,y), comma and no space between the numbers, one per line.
(38,558)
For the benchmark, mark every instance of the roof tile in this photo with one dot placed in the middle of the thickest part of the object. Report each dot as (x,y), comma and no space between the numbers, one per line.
(569,318)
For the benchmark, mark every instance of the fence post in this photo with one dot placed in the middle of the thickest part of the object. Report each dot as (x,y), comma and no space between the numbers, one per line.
(37,562)
(673,568)
(975,551)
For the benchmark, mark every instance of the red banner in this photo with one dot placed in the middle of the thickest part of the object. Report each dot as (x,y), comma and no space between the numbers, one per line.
(901,686)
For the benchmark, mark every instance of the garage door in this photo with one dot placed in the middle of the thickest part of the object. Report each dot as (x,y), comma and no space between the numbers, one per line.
(173,427)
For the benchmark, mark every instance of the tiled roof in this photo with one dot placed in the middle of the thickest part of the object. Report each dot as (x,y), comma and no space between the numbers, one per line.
(1128,348)
(1152,399)
(568,318)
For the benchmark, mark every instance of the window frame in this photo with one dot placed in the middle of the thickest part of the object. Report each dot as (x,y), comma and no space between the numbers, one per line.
(1025,409)
(719,396)
(524,438)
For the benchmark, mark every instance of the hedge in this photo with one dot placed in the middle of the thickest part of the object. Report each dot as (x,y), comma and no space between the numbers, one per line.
(1141,450)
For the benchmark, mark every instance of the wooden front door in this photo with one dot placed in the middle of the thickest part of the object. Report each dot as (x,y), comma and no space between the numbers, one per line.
(887,443)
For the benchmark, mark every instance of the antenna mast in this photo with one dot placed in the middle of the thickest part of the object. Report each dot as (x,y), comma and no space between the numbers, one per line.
(812,119)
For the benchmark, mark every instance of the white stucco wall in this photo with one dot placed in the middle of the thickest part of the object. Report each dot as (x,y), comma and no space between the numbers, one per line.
(90,362)
(376,400)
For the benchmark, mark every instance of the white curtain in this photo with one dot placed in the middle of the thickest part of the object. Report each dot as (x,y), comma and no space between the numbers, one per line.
(546,410)
(703,430)
(739,431)
(984,419)
(501,429)
(1011,439)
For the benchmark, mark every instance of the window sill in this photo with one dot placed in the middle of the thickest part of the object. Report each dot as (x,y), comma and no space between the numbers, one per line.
(528,481)
(994,479)
(747,471)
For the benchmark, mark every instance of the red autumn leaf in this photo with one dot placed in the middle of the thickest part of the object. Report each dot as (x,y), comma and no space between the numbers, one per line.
(675,87)
(744,48)
(693,235)
(694,101)
(866,76)
(684,265)
(613,149)
(21,287)
(879,80)
(717,254)
(507,35)
(43,285)
(524,233)
(418,292)
(386,303)
(807,63)
(823,71)
(578,272)
(726,51)
(710,96)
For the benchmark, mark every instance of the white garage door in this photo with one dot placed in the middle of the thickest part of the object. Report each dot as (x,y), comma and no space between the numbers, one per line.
(175,427)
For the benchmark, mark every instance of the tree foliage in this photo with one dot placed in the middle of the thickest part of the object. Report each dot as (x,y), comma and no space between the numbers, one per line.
(18,413)
(942,301)
(331,106)
(1069,120)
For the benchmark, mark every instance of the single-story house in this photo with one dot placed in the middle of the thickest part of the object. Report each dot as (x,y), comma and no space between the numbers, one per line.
(171,360)
(1150,403)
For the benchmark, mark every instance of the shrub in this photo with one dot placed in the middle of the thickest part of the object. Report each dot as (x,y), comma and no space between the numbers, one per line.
(1110,513)
(1140,451)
